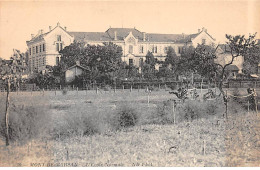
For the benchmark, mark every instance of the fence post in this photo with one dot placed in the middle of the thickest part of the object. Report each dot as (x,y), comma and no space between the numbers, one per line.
(77,90)
(97,90)
(55,91)
(248,107)
(165,86)
(148,98)
(131,88)
(123,87)
(226,103)
(60,87)
(173,110)
(43,91)
(138,88)
(159,86)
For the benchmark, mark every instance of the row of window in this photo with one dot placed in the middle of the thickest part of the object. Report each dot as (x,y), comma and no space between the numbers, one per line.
(131,62)
(153,49)
(38,62)
(37,49)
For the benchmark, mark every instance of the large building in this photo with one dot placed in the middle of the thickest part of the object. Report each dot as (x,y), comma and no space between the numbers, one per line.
(44,47)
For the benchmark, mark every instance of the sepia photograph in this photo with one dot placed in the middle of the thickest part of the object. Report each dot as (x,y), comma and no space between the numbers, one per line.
(113,83)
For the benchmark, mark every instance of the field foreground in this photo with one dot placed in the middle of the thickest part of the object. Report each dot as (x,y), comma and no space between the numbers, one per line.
(214,141)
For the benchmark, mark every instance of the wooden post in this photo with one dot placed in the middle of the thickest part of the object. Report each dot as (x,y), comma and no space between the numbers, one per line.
(138,88)
(7,111)
(248,107)
(201,86)
(73,87)
(43,91)
(131,88)
(148,98)
(60,87)
(97,90)
(159,86)
(123,87)
(165,87)
(226,105)
(173,110)
(55,91)
(204,147)
(77,90)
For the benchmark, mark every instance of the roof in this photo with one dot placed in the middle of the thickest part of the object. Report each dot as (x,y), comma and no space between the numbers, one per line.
(123,32)
(76,65)
(232,68)
(93,36)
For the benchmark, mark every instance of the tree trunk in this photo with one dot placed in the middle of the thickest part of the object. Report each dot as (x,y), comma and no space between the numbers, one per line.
(7,112)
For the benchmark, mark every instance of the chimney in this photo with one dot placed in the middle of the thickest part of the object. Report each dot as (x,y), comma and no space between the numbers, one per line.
(144,36)
(198,30)
(65,28)
(41,31)
(49,28)
(58,24)
(203,29)
(115,36)
(32,36)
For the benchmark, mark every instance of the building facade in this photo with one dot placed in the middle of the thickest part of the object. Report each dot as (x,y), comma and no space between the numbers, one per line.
(136,44)
(44,47)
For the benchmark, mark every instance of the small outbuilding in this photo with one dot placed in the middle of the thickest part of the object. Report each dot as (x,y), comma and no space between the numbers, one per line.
(73,71)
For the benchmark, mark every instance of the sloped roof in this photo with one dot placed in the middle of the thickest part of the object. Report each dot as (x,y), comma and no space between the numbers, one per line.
(179,38)
(123,32)
(232,68)
(93,36)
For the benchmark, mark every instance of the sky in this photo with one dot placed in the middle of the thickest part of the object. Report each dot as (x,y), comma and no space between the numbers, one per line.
(20,19)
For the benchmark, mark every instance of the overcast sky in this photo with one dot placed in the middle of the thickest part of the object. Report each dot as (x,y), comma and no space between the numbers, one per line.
(18,20)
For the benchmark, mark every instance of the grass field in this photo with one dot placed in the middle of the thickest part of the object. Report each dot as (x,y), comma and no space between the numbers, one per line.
(207,141)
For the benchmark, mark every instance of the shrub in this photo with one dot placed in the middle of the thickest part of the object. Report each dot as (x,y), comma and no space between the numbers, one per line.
(79,124)
(25,123)
(163,113)
(124,117)
(64,91)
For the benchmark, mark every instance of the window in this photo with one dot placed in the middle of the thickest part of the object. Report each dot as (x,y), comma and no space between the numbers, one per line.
(203,41)
(57,60)
(36,49)
(141,50)
(131,62)
(57,47)
(60,46)
(30,51)
(58,37)
(179,50)
(141,62)
(33,50)
(154,49)
(130,49)
(40,48)
(43,47)
(165,49)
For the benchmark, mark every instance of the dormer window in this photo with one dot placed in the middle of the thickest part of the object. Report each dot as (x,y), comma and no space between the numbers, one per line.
(58,37)
(203,41)
(130,49)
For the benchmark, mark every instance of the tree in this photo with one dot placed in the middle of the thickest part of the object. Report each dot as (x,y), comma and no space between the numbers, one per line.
(148,68)
(171,58)
(201,60)
(10,72)
(251,61)
(103,61)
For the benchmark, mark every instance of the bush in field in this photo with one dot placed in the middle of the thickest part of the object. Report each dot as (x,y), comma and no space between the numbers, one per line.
(163,113)
(64,91)
(78,124)
(192,109)
(124,117)
(26,123)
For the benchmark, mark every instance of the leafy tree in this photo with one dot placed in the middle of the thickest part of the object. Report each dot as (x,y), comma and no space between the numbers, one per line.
(201,59)
(251,60)
(10,72)
(171,58)
(148,68)
(103,61)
